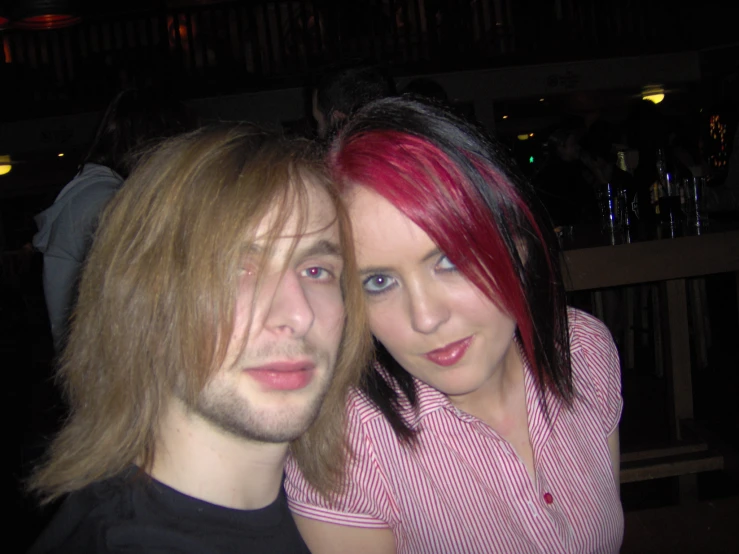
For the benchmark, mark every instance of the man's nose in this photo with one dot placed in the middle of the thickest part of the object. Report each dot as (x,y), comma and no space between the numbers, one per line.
(290,311)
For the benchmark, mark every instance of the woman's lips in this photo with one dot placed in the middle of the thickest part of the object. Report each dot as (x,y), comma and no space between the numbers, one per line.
(450,354)
(286,375)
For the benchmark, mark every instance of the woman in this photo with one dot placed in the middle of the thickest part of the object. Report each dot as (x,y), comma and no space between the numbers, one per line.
(490,421)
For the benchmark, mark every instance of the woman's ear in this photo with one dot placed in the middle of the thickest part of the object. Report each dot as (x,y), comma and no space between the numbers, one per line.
(522,249)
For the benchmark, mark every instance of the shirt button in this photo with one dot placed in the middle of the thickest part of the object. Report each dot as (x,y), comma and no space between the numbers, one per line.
(548,498)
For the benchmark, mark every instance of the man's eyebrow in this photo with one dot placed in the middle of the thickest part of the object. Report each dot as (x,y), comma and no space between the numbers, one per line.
(252,250)
(321,248)
(379,269)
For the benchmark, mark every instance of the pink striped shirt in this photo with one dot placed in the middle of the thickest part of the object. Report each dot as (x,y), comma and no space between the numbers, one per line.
(463,489)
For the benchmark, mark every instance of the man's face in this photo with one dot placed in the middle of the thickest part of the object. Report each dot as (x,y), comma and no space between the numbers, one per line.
(570,151)
(271,387)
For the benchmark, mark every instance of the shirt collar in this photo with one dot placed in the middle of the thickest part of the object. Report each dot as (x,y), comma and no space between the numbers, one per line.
(430,400)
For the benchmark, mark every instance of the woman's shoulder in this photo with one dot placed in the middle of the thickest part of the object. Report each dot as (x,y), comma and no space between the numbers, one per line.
(361,410)
(596,369)
(587,332)
(593,351)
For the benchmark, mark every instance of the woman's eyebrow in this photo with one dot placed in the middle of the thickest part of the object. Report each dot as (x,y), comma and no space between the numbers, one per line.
(385,269)
(432,254)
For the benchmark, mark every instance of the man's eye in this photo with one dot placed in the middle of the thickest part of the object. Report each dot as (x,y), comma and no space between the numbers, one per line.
(318,273)
(376,284)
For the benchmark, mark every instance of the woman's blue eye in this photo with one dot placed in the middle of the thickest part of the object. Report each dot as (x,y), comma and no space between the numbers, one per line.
(445,264)
(375,284)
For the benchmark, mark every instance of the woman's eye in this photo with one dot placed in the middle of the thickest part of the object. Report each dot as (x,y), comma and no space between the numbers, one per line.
(445,264)
(318,273)
(375,284)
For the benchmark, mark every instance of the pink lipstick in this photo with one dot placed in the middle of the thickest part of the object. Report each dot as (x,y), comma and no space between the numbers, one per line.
(451,353)
(288,375)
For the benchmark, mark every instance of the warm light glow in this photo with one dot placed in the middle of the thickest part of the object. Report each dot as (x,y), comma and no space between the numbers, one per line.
(7,50)
(505,117)
(717,132)
(182,31)
(47,21)
(523,137)
(60,154)
(541,100)
(656,97)
(531,134)
(5,166)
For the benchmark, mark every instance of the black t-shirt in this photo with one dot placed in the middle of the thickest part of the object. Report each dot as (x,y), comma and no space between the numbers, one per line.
(132,513)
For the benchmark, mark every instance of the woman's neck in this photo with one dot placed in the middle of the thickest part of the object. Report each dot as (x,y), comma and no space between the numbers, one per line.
(500,398)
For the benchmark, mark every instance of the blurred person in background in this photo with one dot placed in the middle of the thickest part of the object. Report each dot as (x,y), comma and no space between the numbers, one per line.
(427,88)
(562,183)
(599,156)
(340,93)
(647,133)
(133,120)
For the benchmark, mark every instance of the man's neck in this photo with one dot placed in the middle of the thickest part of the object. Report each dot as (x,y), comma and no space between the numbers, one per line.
(202,461)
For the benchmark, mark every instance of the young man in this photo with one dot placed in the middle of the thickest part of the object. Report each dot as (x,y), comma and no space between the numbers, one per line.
(219,317)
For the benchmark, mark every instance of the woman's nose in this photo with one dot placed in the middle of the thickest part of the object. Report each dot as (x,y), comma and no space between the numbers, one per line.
(428,309)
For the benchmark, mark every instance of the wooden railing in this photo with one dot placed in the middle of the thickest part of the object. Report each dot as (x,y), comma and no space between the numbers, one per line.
(236,46)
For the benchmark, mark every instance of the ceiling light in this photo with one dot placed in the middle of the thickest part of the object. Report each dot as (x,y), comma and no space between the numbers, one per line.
(653,93)
(657,97)
(5,165)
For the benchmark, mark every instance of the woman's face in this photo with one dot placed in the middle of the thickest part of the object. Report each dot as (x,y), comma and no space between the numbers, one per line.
(433,321)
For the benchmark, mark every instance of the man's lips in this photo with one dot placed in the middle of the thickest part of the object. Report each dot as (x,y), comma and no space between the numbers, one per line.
(451,353)
(284,375)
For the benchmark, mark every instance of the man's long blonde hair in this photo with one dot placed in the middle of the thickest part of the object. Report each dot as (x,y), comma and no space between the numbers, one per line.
(156,301)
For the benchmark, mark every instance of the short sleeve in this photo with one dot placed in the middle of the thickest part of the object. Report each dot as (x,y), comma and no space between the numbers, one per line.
(364,500)
(593,343)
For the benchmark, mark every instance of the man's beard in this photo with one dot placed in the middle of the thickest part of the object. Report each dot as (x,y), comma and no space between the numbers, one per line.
(224,406)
